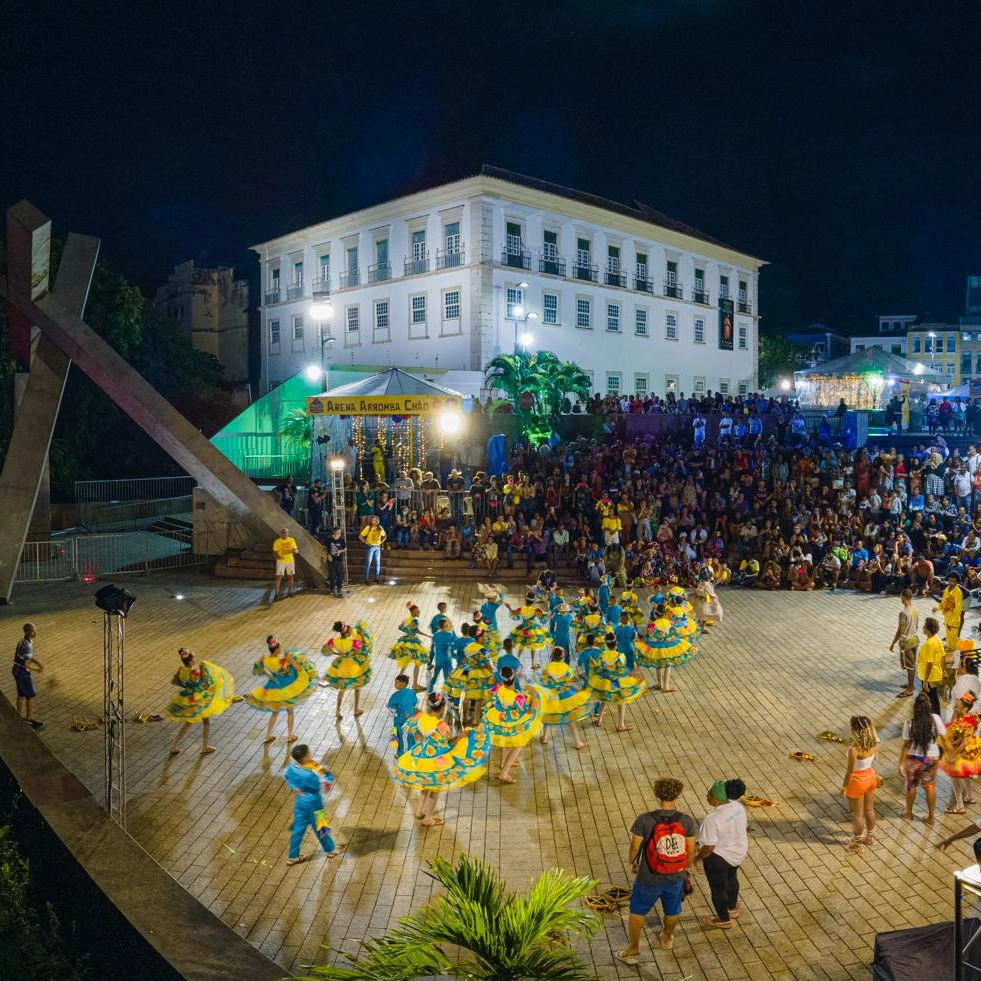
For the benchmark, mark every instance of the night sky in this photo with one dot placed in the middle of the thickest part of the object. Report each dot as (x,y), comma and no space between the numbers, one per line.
(839,141)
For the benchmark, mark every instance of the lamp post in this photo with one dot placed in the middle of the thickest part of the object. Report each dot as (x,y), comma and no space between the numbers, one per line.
(322,311)
(525,339)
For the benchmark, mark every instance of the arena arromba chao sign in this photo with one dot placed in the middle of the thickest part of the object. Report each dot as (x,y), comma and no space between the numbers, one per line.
(382,405)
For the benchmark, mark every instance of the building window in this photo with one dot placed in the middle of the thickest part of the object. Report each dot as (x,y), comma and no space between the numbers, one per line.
(671,277)
(613,383)
(383,268)
(640,386)
(351,277)
(512,238)
(743,293)
(417,306)
(699,384)
(700,280)
(951,343)
(584,310)
(613,259)
(419,246)
(916,343)
(451,305)
(325,271)
(950,367)
(274,279)
(723,386)
(723,287)
(897,349)
(383,330)
(671,326)
(297,273)
(353,319)
(550,308)
(451,237)
(516,300)
(613,317)
(977,369)
(297,328)
(743,388)
(670,383)
(966,364)
(640,321)
(550,247)
(642,265)
(742,337)
(699,331)
(274,333)
(859,347)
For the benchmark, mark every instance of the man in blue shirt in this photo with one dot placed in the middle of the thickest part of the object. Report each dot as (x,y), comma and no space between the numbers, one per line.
(626,634)
(442,652)
(303,777)
(402,703)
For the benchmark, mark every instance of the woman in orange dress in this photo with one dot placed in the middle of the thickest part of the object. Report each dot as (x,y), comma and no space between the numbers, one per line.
(861,782)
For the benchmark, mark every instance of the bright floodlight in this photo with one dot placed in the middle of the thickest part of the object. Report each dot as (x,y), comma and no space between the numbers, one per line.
(321,310)
(522,285)
(450,422)
(532,316)
(313,372)
(785,384)
(337,463)
(519,310)
(526,339)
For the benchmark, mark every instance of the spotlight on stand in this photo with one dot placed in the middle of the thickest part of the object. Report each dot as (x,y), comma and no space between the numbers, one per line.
(450,422)
(114,600)
(337,463)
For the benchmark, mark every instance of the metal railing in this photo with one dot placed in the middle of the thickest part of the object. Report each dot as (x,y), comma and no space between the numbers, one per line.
(263,455)
(380,272)
(321,286)
(744,306)
(552,267)
(674,290)
(643,285)
(588,273)
(615,278)
(134,513)
(451,258)
(699,295)
(294,292)
(89,557)
(272,296)
(132,489)
(417,264)
(351,278)
(516,258)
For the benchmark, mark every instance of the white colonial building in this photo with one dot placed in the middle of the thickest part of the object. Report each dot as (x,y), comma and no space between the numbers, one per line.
(450,277)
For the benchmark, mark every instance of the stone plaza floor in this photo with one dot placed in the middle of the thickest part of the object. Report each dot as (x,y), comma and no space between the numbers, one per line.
(780,668)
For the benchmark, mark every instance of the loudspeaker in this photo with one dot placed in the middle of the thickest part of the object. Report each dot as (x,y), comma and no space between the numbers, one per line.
(114,600)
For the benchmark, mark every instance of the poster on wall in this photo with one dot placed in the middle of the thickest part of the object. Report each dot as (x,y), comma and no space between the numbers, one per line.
(726,325)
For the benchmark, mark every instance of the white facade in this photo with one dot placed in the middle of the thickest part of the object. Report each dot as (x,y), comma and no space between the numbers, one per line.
(895,344)
(434,279)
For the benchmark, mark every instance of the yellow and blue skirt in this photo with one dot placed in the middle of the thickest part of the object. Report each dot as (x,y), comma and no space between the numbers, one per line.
(202,699)
(514,718)
(287,687)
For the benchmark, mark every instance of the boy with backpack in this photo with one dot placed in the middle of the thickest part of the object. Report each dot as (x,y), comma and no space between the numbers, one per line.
(661,848)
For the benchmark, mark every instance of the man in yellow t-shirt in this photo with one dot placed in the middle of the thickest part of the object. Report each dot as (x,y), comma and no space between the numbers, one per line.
(930,662)
(284,548)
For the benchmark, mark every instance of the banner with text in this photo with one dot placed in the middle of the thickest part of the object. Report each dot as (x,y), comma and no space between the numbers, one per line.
(382,405)
(725,324)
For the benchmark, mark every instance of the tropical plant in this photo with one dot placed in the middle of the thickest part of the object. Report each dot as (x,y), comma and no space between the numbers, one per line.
(777,356)
(542,374)
(294,430)
(478,930)
(514,374)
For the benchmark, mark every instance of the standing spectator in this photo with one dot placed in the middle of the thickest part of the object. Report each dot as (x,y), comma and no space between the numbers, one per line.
(373,536)
(906,637)
(920,754)
(315,507)
(336,552)
(861,782)
(24,663)
(661,846)
(285,549)
(930,663)
(723,845)
(456,487)
(287,495)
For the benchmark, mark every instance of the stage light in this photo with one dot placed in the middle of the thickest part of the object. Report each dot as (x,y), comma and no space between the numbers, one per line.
(450,422)
(337,463)
(114,600)
(785,384)
(313,372)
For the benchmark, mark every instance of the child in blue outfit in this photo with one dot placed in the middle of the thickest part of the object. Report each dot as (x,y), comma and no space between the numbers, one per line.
(304,776)
(586,655)
(442,657)
(626,634)
(561,623)
(612,614)
(402,702)
(508,660)
(603,594)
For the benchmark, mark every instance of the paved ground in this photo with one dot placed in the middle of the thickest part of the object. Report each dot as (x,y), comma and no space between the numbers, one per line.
(780,669)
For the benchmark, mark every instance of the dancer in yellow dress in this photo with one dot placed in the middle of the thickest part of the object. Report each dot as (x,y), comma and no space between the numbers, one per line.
(612,681)
(512,719)
(663,648)
(473,678)
(205,690)
(350,668)
(408,648)
(437,762)
(630,603)
(564,702)
(591,622)
(290,678)
(530,633)
(951,606)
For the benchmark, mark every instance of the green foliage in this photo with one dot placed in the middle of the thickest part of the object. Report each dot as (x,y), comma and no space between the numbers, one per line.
(295,431)
(778,357)
(479,931)
(30,948)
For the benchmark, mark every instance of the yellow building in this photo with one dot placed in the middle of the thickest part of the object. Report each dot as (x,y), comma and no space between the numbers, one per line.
(946,349)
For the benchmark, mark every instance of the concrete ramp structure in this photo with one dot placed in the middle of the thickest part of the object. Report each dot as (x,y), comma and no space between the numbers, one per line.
(64,336)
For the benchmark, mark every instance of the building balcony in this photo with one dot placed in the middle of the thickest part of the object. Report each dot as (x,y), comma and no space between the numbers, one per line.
(643,285)
(674,289)
(419,263)
(350,278)
(616,278)
(272,296)
(380,272)
(552,266)
(451,258)
(321,286)
(744,306)
(700,296)
(294,292)
(515,258)
(588,273)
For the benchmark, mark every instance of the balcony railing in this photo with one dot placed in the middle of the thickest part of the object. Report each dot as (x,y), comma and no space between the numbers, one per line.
(588,273)
(321,286)
(451,258)
(674,290)
(350,278)
(380,272)
(553,266)
(616,278)
(643,285)
(272,296)
(419,263)
(294,292)
(744,306)
(700,296)
(516,258)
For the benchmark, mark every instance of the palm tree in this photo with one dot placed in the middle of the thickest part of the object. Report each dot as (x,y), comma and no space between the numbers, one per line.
(295,434)
(514,374)
(561,379)
(480,931)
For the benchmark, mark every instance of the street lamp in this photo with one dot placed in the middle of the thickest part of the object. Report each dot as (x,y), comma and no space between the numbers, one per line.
(321,311)
(933,350)
(524,339)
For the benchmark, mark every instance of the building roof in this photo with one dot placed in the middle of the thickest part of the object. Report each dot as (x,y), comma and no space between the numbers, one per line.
(638,210)
(391,382)
(875,361)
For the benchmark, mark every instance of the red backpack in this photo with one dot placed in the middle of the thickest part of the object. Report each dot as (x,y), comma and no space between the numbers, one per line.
(666,850)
